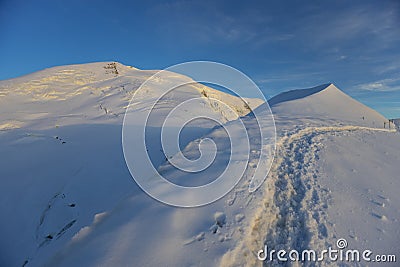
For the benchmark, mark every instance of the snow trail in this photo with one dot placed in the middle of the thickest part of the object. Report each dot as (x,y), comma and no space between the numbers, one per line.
(292,215)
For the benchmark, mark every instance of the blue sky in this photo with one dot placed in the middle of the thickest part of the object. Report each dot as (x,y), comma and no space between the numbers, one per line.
(281,45)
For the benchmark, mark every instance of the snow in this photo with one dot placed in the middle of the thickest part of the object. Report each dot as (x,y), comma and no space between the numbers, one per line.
(323,105)
(67,197)
(368,199)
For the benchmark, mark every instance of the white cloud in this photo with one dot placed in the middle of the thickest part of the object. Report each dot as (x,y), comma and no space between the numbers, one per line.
(385,85)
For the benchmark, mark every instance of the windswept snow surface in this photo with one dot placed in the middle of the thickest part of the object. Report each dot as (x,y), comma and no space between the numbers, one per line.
(67,198)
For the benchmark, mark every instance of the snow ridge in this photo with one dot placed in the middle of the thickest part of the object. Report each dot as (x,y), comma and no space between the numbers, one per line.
(297,94)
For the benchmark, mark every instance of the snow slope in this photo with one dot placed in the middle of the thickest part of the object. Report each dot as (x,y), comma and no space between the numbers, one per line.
(65,171)
(335,176)
(67,198)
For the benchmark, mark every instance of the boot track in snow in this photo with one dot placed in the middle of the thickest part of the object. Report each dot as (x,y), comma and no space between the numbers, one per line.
(292,215)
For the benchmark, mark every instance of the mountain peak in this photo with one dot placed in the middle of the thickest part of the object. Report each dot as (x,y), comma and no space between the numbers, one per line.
(328,103)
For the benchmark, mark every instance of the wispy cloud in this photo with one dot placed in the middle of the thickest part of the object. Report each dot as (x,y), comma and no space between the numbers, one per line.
(377,24)
(212,23)
(385,85)
(289,77)
(387,65)
(343,29)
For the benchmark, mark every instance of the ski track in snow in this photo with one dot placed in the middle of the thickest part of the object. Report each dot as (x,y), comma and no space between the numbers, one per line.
(293,213)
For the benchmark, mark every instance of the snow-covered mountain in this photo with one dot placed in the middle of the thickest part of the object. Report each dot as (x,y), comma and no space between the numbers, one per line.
(67,197)
(325,104)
